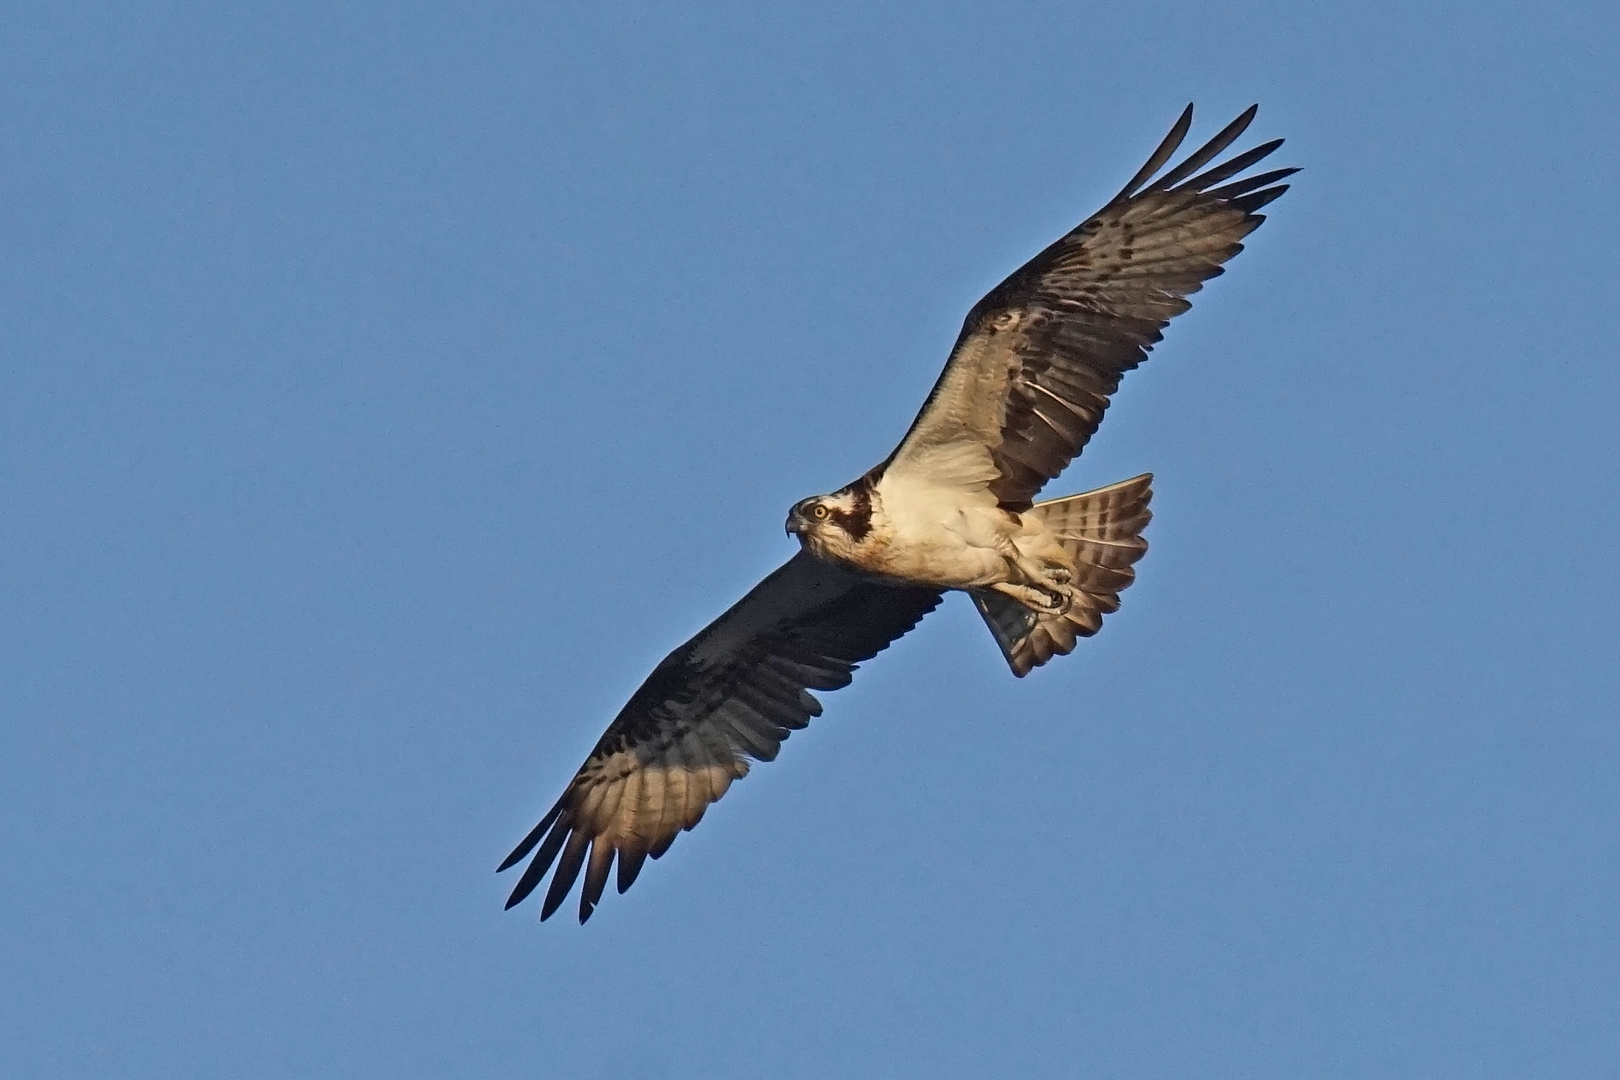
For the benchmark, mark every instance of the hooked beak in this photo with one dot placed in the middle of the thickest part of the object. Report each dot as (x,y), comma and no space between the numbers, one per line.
(796,525)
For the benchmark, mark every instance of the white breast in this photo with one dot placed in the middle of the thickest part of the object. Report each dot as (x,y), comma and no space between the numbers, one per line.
(939,521)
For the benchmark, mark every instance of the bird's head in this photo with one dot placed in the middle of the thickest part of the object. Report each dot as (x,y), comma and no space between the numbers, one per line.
(809,516)
(831,525)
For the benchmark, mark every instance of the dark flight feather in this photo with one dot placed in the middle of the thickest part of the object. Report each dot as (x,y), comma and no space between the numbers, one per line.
(730,694)
(1070,322)
(1028,381)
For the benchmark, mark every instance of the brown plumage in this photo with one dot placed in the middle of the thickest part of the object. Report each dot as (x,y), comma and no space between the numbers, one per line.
(1039,357)
(1102,533)
(952,508)
(732,693)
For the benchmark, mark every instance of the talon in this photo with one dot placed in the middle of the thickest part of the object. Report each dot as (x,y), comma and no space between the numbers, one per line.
(1037,598)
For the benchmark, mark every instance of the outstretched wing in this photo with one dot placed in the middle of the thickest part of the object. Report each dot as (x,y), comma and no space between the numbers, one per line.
(732,693)
(1040,355)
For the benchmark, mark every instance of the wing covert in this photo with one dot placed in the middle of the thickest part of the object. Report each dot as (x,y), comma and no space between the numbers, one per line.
(734,692)
(1041,354)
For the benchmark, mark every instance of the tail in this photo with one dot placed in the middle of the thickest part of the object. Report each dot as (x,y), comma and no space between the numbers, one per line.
(1102,533)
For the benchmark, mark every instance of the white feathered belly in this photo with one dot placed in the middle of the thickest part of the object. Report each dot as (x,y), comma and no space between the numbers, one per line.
(936,537)
(937,560)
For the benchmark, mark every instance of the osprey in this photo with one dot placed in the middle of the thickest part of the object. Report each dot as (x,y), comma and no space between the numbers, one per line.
(952,508)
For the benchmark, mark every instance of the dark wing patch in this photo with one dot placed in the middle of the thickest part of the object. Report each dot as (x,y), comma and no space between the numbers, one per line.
(1057,336)
(732,693)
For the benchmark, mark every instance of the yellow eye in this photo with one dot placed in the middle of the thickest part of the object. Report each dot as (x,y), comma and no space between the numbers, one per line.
(819,512)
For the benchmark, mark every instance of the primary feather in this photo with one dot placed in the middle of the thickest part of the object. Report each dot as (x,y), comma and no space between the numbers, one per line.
(952,507)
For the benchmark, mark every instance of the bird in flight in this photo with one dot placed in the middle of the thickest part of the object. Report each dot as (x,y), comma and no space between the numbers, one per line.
(952,508)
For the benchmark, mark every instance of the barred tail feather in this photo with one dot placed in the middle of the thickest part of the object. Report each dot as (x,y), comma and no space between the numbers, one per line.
(1101,531)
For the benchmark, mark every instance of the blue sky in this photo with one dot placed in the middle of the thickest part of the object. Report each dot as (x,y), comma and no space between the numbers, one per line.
(387,388)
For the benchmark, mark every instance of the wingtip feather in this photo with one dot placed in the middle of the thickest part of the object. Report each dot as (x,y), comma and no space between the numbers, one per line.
(562,882)
(630,864)
(526,845)
(596,875)
(1198,158)
(1250,203)
(1162,153)
(1250,183)
(537,868)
